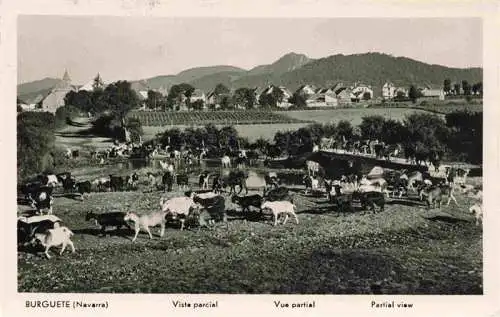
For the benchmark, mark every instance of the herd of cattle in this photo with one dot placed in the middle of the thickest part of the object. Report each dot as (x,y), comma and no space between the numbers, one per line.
(205,206)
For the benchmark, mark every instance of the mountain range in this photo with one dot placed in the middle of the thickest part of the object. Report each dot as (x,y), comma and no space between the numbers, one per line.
(293,70)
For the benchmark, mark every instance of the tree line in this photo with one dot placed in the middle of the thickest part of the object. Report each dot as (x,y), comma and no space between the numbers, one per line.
(457,137)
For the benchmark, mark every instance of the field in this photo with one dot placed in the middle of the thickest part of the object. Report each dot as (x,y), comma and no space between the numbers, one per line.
(354,115)
(406,249)
(158,118)
(290,120)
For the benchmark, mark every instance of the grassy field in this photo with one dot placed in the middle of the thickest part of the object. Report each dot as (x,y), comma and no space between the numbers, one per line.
(297,120)
(354,115)
(158,118)
(406,249)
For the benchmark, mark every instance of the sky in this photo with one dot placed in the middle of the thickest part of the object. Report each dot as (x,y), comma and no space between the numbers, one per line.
(131,48)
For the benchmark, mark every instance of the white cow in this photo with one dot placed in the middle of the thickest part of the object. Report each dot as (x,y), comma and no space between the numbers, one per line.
(312,168)
(226,161)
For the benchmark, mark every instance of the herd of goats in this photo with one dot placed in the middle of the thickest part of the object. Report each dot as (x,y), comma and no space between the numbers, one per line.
(207,205)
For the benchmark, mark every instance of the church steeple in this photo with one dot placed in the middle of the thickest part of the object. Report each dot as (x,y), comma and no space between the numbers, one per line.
(66,77)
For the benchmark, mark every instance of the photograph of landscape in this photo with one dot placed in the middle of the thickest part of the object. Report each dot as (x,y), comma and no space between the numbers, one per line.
(254,156)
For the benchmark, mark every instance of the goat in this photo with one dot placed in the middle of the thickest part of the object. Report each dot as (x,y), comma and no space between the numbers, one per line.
(477,211)
(215,206)
(146,221)
(178,208)
(55,237)
(110,219)
(245,202)
(279,207)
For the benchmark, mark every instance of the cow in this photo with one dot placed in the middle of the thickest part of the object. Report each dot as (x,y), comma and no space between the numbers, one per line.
(42,199)
(203,180)
(116,182)
(167,180)
(226,161)
(312,167)
(235,178)
(83,188)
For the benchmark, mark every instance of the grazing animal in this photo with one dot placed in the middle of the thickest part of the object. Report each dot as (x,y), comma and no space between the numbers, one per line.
(215,206)
(145,221)
(312,167)
(42,199)
(110,219)
(433,196)
(55,237)
(280,207)
(116,182)
(178,208)
(245,202)
(132,180)
(272,180)
(203,180)
(277,194)
(182,181)
(226,161)
(477,211)
(370,200)
(28,226)
(49,180)
(167,180)
(83,187)
(235,178)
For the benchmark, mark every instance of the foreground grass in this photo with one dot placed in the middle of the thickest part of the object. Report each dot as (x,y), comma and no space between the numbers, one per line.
(328,252)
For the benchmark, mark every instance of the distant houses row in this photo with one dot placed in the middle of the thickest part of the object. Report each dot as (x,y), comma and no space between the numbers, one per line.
(311,96)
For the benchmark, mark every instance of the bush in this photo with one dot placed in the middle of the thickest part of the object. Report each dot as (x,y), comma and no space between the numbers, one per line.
(35,142)
(65,115)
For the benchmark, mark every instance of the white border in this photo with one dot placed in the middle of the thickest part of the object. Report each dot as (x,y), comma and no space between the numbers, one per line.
(327,305)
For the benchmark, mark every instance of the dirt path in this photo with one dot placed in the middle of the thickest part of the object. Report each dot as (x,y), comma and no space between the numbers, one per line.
(73,136)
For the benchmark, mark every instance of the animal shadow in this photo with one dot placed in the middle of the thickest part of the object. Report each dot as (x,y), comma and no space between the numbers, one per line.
(122,232)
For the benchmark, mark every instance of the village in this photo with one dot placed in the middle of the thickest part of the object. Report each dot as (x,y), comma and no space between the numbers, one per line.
(307,96)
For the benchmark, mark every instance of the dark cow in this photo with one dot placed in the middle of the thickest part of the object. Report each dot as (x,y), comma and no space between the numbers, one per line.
(182,180)
(278,194)
(203,180)
(215,206)
(110,219)
(42,199)
(131,180)
(167,180)
(83,188)
(245,202)
(116,183)
(235,178)
(370,200)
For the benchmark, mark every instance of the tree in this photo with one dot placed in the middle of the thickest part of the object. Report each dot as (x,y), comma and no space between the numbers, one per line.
(35,142)
(466,87)
(197,105)
(220,89)
(298,99)
(121,99)
(372,127)
(179,94)
(244,97)
(413,94)
(81,100)
(154,100)
(456,88)
(393,131)
(271,97)
(447,86)
(344,130)
(427,129)
(134,126)
(477,88)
